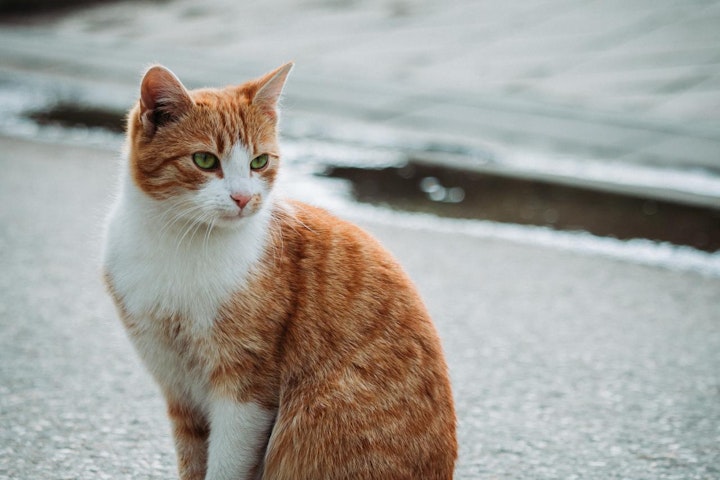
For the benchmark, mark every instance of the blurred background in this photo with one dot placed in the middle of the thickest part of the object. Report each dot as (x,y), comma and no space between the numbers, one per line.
(548,171)
(597,116)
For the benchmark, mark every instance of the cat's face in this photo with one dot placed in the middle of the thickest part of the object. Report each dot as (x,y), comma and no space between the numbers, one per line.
(206,156)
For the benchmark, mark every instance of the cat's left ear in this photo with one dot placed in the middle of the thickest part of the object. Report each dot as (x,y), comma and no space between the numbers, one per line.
(269,89)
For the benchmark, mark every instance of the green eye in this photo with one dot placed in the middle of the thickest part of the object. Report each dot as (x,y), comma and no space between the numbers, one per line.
(204,160)
(259,162)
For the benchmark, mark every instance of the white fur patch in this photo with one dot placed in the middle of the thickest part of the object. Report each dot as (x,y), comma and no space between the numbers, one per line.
(237,172)
(237,433)
(164,263)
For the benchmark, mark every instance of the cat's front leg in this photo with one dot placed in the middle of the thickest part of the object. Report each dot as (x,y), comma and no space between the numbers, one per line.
(191,431)
(238,436)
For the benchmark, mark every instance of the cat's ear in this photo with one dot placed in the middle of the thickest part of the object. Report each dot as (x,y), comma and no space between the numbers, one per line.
(163,99)
(269,89)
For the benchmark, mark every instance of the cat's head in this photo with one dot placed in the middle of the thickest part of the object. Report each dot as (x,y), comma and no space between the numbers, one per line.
(210,155)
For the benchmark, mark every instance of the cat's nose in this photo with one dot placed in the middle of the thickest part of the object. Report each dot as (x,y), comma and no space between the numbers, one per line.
(241,199)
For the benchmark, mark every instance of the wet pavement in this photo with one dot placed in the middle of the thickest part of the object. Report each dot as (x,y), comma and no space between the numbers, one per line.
(447,192)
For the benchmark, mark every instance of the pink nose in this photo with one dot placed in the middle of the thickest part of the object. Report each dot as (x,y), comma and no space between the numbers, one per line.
(240,199)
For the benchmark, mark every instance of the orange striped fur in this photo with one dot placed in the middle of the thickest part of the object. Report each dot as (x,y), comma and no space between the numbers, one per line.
(288,343)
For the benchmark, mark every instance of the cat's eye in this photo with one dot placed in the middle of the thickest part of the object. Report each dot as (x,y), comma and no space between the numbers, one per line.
(259,162)
(206,161)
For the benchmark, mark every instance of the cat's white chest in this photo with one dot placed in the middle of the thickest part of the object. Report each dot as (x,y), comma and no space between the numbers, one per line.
(171,287)
(185,272)
(162,280)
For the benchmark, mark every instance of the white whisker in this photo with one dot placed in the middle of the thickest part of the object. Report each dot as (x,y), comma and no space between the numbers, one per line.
(210,227)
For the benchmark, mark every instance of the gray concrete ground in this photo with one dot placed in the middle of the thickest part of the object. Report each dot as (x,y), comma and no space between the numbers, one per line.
(564,365)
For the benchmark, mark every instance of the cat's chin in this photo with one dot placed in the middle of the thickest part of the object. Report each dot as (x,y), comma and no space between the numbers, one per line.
(232,221)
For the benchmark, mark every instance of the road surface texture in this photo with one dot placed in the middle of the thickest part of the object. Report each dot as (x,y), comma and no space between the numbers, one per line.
(563,365)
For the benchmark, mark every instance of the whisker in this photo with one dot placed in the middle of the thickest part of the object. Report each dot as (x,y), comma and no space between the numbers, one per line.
(192,229)
(175,216)
(210,227)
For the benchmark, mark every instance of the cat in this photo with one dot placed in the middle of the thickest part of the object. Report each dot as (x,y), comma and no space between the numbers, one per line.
(288,343)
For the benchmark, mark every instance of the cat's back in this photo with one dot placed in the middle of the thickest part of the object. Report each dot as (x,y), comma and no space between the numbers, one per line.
(338,271)
(364,384)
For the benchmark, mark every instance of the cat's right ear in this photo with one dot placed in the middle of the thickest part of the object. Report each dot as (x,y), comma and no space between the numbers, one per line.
(163,99)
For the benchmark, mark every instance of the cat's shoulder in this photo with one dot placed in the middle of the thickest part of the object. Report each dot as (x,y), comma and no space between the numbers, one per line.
(316,236)
(312,221)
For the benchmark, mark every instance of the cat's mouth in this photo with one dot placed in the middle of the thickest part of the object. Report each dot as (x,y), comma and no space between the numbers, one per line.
(233,217)
(236,217)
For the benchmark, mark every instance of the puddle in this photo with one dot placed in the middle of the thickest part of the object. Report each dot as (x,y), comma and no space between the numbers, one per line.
(455,193)
(23,11)
(73,116)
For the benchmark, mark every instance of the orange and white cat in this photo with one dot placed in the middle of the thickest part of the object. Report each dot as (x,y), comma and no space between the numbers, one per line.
(288,343)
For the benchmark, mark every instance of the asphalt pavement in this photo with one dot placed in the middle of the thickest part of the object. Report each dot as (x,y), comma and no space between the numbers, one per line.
(563,365)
